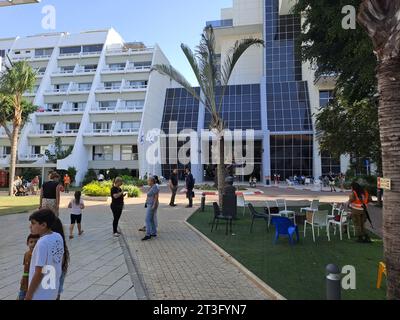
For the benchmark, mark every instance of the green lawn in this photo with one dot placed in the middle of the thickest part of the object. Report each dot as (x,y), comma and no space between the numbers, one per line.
(297,272)
(12,205)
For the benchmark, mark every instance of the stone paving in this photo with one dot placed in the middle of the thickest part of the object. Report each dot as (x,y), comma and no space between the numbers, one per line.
(177,265)
(98,269)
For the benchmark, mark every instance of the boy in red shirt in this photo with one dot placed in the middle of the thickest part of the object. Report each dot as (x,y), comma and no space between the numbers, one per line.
(30,242)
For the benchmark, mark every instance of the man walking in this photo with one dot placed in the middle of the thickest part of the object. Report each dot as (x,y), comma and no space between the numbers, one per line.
(67,182)
(173,185)
(189,187)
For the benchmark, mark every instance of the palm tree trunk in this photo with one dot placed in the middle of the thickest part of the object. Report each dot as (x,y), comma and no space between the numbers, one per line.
(389,122)
(13,160)
(221,170)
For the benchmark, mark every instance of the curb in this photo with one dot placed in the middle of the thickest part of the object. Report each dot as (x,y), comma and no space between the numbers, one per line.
(137,280)
(250,275)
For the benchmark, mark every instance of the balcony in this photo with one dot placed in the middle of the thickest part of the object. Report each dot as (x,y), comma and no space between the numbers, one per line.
(71,108)
(98,132)
(108,88)
(31,157)
(41,132)
(81,54)
(220,23)
(98,108)
(326,80)
(128,51)
(134,87)
(56,91)
(120,128)
(76,89)
(127,69)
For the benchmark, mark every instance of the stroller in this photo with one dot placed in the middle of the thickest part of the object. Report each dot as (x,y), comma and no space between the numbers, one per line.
(21,191)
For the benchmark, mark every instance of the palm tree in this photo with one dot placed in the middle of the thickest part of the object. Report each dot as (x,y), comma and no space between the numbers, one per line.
(381,20)
(16,80)
(211,77)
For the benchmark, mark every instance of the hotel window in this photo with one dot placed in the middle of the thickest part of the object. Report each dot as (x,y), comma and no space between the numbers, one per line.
(101,127)
(63,87)
(129,153)
(84,86)
(3,53)
(329,163)
(90,67)
(93,48)
(70,50)
(6,150)
(47,127)
(112,85)
(72,127)
(134,104)
(129,126)
(136,84)
(102,153)
(142,64)
(67,69)
(44,52)
(325,97)
(39,149)
(116,66)
(54,107)
(107,105)
(78,106)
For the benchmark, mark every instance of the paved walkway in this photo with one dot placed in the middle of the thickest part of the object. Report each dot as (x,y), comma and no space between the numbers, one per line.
(179,264)
(98,268)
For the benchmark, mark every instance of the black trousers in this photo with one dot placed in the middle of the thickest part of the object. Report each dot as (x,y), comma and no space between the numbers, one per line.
(189,195)
(117,211)
(173,190)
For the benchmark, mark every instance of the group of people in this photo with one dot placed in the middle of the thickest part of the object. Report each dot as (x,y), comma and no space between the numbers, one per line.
(22,187)
(331,180)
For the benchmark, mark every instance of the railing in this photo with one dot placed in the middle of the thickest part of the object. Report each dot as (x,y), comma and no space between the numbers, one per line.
(30,157)
(63,72)
(220,23)
(77,88)
(84,71)
(97,107)
(68,108)
(41,57)
(113,69)
(108,88)
(125,107)
(57,91)
(118,51)
(67,132)
(40,132)
(137,68)
(79,54)
(126,130)
(134,87)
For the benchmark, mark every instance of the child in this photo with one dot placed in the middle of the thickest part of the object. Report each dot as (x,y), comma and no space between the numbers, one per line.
(77,205)
(30,242)
(50,256)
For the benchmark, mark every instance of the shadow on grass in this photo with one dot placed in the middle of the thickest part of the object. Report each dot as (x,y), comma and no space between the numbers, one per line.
(297,272)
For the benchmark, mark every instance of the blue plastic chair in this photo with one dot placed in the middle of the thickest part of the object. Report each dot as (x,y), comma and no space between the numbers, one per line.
(284,226)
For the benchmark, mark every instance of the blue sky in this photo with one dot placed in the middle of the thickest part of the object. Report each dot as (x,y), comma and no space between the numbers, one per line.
(166,22)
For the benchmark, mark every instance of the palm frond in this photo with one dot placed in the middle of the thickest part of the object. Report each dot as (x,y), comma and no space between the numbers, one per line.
(175,75)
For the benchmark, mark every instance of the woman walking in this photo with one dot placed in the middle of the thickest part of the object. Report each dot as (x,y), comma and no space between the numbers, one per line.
(117,203)
(151,209)
(50,194)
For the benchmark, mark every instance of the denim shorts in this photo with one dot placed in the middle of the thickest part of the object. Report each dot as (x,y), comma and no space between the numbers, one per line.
(21,295)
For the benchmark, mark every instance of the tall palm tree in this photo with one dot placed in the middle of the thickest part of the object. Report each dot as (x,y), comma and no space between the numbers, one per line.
(381,20)
(16,79)
(212,77)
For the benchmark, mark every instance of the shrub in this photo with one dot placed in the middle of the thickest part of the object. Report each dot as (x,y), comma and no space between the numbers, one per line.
(97,189)
(139,182)
(133,191)
(89,177)
(72,173)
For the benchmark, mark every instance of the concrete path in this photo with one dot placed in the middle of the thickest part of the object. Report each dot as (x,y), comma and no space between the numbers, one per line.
(179,264)
(98,268)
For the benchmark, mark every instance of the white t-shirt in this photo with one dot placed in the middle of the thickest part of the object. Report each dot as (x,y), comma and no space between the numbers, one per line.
(48,252)
(76,208)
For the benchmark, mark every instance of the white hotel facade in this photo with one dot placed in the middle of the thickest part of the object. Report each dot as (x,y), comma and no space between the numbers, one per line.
(97,93)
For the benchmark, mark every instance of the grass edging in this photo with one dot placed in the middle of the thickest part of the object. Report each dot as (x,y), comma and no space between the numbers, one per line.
(250,275)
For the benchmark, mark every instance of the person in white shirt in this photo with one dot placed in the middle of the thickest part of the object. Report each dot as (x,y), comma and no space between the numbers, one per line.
(50,257)
(76,205)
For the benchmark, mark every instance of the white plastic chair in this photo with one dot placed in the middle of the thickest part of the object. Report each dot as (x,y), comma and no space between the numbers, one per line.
(283,211)
(271,204)
(313,207)
(336,210)
(343,222)
(317,219)
(241,202)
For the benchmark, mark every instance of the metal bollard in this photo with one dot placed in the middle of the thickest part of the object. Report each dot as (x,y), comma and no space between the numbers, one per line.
(333,283)
(203,203)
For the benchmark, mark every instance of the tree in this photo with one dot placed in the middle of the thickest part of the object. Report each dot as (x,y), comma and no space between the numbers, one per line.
(211,77)
(359,121)
(381,20)
(15,80)
(59,151)
(348,54)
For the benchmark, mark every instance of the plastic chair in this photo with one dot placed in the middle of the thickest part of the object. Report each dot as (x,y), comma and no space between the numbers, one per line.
(241,202)
(381,271)
(268,210)
(343,222)
(283,226)
(313,207)
(256,215)
(317,219)
(219,216)
(283,211)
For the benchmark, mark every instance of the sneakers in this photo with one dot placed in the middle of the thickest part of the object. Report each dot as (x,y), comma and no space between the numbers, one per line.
(153,236)
(143,229)
(189,207)
(80,233)
(146,238)
(116,235)
(71,237)
(172,205)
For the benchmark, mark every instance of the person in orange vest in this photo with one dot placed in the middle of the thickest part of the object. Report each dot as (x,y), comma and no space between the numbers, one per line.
(67,182)
(357,200)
